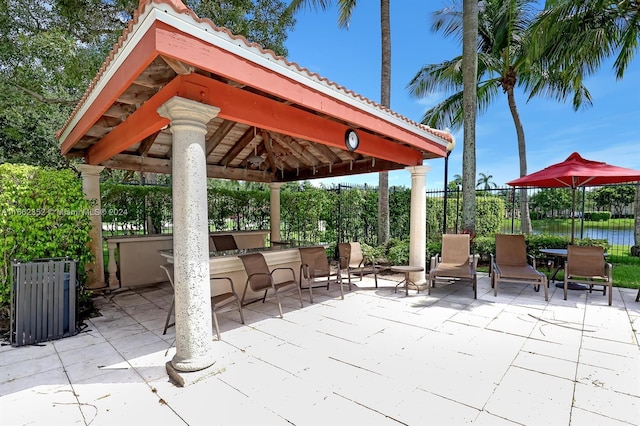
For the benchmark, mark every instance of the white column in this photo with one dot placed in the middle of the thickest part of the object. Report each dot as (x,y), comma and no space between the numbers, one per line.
(275,209)
(91,188)
(417,224)
(194,338)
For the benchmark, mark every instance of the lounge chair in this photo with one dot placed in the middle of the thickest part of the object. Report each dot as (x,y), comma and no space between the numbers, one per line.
(456,263)
(218,301)
(353,261)
(586,265)
(315,271)
(512,264)
(260,277)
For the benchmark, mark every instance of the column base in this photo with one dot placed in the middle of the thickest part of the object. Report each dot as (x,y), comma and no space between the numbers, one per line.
(186,378)
(195,363)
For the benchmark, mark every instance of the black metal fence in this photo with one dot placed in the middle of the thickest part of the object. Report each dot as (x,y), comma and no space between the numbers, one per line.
(347,212)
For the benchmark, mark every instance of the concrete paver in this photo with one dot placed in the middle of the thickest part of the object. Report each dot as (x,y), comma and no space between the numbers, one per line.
(376,357)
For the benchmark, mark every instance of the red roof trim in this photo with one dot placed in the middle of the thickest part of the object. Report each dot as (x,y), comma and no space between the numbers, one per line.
(179,7)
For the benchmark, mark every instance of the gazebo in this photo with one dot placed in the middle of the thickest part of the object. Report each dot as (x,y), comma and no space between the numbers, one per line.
(180,95)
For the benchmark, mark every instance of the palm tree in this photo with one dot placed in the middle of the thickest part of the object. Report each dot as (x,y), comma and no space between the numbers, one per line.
(485,183)
(504,62)
(455,182)
(346,8)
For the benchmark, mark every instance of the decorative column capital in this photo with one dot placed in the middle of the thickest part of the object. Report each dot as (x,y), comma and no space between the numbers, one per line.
(89,170)
(276,185)
(185,112)
(418,170)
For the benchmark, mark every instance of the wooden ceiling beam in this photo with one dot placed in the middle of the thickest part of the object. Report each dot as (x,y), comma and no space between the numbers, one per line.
(285,142)
(146,143)
(342,169)
(162,165)
(259,111)
(177,66)
(142,123)
(266,142)
(236,149)
(327,153)
(218,136)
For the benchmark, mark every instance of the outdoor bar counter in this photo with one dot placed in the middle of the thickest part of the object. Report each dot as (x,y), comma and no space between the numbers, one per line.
(134,260)
(228,264)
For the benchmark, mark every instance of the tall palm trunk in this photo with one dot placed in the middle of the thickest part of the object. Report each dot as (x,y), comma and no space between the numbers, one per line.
(522,153)
(469,102)
(385,99)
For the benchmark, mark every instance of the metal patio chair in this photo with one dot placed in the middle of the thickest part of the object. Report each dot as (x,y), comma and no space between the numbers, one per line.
(316,271)
(218,302)
(260,277)
(353,261)
(587,265)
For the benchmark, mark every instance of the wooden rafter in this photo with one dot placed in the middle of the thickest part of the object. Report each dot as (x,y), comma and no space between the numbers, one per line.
(146,143)
(218,136)
(178,66)
(236,149)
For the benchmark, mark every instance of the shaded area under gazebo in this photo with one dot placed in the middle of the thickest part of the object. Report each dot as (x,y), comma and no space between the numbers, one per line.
(179,95)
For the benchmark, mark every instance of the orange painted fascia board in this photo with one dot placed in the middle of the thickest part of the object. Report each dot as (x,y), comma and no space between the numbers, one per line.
(255,110)
(190,49)
(138,60)
(143,122)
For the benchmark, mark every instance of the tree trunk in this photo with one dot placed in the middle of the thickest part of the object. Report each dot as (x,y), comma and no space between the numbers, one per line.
(522,153)
(150,178)
(469,101)
(385,100)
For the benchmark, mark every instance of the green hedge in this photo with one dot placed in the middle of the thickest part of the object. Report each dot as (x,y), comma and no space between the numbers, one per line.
(485,246)
(43,213)
(597,216)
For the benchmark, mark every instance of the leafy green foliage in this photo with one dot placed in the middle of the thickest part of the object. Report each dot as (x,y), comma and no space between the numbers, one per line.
(265,22)
(130,206)
(597,216)
(398,252)
(486,245)
(50,50)
(616,197)
(549,202)
(43,213)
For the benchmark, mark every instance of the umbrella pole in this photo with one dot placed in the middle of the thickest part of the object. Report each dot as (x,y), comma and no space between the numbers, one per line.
(573,213)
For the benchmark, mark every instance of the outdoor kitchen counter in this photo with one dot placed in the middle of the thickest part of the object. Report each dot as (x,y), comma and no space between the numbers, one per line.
(134,260)
(228,264)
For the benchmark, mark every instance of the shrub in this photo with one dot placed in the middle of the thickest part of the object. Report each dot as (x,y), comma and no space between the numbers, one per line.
(399,253)
(597,216)
(43,213)
(484,246)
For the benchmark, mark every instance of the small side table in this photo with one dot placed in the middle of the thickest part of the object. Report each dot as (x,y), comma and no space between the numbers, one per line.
(406,270)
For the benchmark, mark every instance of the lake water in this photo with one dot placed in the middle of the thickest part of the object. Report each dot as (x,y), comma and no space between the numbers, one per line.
(621,237)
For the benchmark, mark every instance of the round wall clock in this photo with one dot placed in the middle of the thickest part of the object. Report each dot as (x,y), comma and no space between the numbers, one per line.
(351,139)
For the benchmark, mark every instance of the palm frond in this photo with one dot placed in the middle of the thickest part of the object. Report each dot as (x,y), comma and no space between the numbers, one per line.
(443,77)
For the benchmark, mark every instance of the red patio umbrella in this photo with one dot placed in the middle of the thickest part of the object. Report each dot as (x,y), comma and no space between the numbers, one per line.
(576,172)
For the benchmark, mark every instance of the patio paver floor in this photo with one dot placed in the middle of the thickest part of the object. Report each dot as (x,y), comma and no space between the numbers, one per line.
(377,357)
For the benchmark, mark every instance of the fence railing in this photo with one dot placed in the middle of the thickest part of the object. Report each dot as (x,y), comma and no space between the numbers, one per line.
(347,212)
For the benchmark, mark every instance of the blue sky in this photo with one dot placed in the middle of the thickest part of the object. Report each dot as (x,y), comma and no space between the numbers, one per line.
(607,131)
